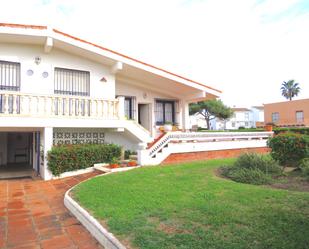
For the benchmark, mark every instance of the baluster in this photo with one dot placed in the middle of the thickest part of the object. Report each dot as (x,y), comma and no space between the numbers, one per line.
(67,102)
(53,106)
(14,104)
(45,105)
(73,107)
(59,106)
(79,107)
(21,104)
(97,108)
(29,105)
(108,109)
(6,104)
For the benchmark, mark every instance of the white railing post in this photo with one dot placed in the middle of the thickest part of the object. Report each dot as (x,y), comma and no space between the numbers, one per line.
(6,104)
(121,114)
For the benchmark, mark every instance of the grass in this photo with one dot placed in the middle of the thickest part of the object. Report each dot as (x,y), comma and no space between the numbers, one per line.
(188,206)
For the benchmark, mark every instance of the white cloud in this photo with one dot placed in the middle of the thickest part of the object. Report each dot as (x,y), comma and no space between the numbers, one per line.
(241,46)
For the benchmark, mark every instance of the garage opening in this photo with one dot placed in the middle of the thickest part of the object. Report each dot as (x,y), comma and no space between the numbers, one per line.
(16,155)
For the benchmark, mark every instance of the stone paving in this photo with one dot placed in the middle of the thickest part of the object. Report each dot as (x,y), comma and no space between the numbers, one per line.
(32,215)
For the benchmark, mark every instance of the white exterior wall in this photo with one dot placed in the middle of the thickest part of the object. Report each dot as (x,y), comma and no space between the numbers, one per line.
(258,115)
(36,84)
(144,96)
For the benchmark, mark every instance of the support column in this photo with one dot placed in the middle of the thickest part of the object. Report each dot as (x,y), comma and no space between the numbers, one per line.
(47,142)
(121,114)
(142,154)
(185,116)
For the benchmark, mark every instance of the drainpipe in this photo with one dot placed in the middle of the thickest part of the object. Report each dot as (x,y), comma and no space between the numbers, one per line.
(37,145)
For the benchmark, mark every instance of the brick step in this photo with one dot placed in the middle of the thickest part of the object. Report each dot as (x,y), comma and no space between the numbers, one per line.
(155,141)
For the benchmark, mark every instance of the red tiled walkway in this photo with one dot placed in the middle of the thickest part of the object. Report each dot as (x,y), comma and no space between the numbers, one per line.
(32,215)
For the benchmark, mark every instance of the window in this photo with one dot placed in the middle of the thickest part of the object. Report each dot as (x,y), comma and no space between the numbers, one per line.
(165,111)
(9,76)
(129,107)
(275,117)
(299,116)
(246,124)
(9,81)
(71,82)
(233,124)
(246,116)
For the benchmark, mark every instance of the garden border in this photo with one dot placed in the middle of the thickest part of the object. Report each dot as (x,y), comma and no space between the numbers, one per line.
(101,234)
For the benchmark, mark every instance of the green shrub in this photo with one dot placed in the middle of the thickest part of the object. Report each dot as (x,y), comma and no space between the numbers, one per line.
(299,130)
(304,166)
(252,176)
(253,168)
(289,148)
(66,158)
(128,153)
(264,163)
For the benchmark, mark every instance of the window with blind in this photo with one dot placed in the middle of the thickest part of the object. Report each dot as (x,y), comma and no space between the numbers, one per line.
(9,81)
(275,117)
(299,116)
(9,76)
(71,82)
(165,112)
(129,107)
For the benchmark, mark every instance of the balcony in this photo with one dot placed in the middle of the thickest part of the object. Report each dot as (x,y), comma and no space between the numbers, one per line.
(16,104)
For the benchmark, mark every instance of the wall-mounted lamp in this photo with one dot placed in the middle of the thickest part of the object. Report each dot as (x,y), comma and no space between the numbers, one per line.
(37,60)
(103,79)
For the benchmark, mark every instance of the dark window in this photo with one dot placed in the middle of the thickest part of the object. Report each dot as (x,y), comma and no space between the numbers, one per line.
(275,117)
(9,76)
(299,116)
(129,107)
(9,81)
(71,82)
(165,112)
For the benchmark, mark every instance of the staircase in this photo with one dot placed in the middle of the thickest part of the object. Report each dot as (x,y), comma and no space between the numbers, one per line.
(184,142)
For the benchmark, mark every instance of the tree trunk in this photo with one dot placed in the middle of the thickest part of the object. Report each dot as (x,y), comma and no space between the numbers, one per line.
(208,123)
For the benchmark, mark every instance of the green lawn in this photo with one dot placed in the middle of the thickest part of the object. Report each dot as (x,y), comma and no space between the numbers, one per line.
(188,206)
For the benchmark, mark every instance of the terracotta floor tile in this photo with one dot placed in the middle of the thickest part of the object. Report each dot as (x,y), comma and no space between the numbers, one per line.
(33,216)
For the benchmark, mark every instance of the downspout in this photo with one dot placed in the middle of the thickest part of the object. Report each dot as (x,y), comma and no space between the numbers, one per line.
(38,154)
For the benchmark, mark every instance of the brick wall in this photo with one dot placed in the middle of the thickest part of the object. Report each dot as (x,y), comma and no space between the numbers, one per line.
(206,155)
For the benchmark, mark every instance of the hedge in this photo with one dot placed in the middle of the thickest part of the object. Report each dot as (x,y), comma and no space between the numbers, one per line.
(66,158)
(302,130)
(289,148)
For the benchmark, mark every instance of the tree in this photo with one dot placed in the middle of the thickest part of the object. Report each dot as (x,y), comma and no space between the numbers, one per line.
(290,89)
(211,109)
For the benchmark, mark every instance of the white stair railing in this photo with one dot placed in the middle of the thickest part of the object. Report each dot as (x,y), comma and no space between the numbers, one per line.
(202,137)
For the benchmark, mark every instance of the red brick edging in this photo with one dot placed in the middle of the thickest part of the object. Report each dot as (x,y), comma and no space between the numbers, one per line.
(206,155)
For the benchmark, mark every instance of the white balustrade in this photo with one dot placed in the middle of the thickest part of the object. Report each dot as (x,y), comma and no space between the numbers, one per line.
(202,137)
(28,105)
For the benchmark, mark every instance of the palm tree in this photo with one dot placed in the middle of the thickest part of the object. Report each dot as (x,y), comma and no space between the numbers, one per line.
(290,89)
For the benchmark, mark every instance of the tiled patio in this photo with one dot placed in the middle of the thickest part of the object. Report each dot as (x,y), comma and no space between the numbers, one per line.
(32,215)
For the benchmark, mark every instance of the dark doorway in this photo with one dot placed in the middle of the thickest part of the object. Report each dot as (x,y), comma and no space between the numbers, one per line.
(16,154)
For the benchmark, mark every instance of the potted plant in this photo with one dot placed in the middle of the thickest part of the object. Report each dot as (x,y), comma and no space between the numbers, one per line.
(168,126)
(132,163)
(114,163)
(269,127)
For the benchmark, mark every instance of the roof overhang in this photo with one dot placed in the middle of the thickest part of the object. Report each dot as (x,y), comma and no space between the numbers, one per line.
(125,66)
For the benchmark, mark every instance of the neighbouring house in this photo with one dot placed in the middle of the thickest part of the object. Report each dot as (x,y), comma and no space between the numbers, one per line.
(288,113)
(258,116)
(242,118)
(59,89)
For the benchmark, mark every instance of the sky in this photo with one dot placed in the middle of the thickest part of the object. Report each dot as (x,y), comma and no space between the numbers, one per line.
(246,48)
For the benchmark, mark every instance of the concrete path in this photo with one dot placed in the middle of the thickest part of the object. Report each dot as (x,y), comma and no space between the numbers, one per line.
(32,215)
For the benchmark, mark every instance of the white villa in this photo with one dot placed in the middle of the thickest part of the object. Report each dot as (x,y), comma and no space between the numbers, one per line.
(59,89)
(243,117)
